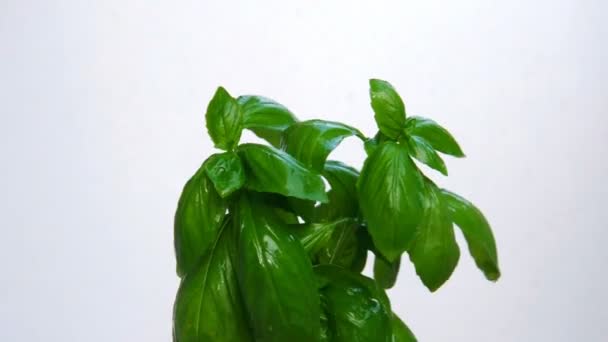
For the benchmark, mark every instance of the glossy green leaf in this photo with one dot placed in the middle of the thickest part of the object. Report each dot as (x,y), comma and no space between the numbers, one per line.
(438,137)
(268,169)
(388,108)
(476,231)
(357,309)
(226,172)
(209,306)
(401,332)
(198,218)
(275,276)
(265,117)
(391,196)
(312,141)
(343,197)
(435,253)
(224,120)
(345,247)
(424,152)
(385,272)
(315,236)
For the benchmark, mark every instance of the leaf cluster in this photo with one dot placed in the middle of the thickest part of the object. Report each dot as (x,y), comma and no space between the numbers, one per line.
(266,252)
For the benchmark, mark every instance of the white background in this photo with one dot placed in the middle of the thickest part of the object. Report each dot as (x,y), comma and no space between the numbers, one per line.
(102,110)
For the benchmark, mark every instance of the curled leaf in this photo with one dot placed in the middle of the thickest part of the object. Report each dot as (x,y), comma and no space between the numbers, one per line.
(265,117)
(268,169)
(476,231)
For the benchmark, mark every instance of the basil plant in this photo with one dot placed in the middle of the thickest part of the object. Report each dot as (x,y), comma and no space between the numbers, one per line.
(266,251)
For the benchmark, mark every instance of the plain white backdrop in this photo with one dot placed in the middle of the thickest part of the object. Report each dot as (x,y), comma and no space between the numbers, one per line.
(102,106)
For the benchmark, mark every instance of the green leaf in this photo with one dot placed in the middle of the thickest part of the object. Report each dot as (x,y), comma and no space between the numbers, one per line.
(388,108)
(226,172)
(401,332)
(265,117)
(438,137)
(357,309)
(198,219)
(435,252)
(270,170)
(209,306)
(315,236)
(224,120)
(476,231)
(385,272)
(424,152)
(391,196)
(312,141)
(345,247)
(275,276)
(343,197)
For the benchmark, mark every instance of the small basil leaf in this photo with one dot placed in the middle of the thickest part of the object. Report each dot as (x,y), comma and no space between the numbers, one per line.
(385,272)
(275,276)
(401,332)
(391,196)
(198,219)
(438,137)
(209,306)
(476,231)
(311,141)
(224,120)
(345,247)
(357,309)
(435,252)
(315,236)
(424,152)
(342,196)
(265,117)
(226,172)
(270,170)
(388,108)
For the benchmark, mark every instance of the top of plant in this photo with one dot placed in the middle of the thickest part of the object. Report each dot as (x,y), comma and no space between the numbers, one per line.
(267,253)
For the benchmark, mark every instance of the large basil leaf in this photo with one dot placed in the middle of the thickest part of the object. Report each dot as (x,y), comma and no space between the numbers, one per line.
(209,306)
(224,120)
(401,332)
(270,170)
(275,276)
(315,236)
(391,197)
(385,272)
(388,108)
(476,231)
(345,247)
(438,137)
(265,117)
(226,172)
(357,309)
(342,196)
(198,218)
(424,152)
(312,141)
(435,252)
